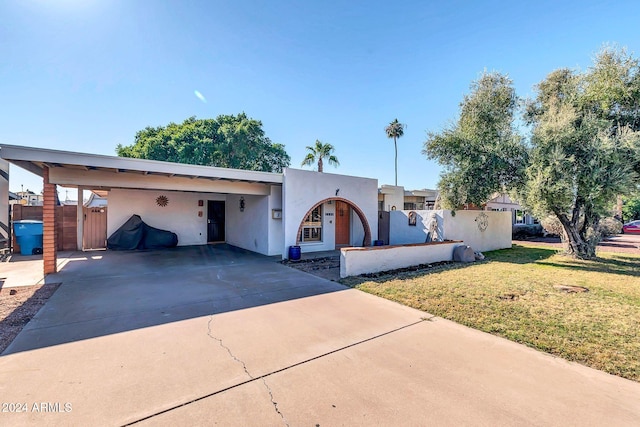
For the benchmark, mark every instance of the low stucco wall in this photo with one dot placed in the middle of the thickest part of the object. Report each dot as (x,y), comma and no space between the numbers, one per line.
(355,261)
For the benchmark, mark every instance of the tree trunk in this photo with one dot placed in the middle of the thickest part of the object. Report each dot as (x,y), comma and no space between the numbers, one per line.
(396,146)
(320,164)
(575,244)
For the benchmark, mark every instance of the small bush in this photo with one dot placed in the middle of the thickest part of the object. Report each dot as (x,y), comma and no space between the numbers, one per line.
(520,231)
(552,226)
(610,226)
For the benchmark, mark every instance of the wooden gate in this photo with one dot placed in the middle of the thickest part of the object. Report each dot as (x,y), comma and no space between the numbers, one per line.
(95,228)
(384,222)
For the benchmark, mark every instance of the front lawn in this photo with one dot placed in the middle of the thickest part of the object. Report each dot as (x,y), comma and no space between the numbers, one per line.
(521,294)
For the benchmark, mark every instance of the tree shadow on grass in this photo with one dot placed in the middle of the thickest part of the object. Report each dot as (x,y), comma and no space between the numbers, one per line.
(408,273)
(518,254)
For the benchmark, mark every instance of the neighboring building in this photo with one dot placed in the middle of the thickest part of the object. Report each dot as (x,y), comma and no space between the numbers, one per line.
(420,199)
(96,200)
(391,198)
(502,202)
(397,198)
(28,198)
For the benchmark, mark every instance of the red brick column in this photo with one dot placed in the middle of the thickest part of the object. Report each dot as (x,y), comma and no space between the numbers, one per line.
(49,244)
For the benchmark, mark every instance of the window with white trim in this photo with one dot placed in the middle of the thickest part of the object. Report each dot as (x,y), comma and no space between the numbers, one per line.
(312,227)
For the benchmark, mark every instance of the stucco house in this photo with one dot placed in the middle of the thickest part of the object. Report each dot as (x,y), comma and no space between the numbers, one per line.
(258,211)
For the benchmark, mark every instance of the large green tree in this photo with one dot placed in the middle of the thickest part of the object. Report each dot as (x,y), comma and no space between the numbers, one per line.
(395,130)
(584,145)
(230,141)
(318,153)
(631,208)
(583,149)
(481,152)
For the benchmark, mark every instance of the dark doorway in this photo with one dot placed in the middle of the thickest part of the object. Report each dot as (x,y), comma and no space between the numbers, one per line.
(215,221)
(384,224)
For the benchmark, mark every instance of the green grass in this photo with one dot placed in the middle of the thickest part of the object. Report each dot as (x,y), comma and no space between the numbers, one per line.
(512,294)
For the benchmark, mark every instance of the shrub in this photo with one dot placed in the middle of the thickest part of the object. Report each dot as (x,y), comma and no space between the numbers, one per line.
(552,226)
(610,226)
(520,231)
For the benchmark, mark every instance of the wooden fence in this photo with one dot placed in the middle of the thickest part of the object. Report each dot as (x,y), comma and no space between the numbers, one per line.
(66,224)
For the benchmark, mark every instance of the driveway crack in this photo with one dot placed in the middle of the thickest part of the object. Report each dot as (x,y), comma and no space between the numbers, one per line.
(274,403)
(244,366)
(219,340)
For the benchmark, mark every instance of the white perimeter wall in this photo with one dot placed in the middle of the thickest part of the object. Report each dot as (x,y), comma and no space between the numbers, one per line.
(400,232)
(355,261)
(463,226)
(304,189)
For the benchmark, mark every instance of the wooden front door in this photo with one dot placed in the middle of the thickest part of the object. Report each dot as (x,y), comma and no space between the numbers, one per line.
(343,220)
(215,221)
(94,235)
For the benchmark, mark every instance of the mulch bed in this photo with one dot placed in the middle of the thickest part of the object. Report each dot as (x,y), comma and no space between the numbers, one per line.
(18,306)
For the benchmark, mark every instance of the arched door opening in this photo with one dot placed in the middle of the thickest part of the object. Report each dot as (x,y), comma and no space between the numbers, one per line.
(311,225)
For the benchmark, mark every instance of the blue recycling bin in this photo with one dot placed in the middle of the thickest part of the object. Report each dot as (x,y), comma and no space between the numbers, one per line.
(29,235)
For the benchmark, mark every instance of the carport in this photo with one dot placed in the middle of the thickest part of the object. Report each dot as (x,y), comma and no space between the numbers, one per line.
(172,194)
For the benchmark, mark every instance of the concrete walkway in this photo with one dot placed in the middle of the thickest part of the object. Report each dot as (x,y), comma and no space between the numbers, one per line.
(212,335)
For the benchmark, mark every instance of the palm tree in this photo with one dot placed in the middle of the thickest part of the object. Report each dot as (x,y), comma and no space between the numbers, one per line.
(395,130)
(320,152)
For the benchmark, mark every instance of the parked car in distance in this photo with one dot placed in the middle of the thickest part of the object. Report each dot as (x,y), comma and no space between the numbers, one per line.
(632,227)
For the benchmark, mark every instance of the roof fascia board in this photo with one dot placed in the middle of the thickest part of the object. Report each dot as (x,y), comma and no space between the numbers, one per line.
(30,154)
(96,178)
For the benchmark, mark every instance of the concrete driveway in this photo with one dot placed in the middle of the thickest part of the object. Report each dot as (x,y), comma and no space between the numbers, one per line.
(214,335)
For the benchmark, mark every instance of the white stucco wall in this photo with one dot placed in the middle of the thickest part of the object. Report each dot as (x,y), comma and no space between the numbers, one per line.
(253,229)
(304,189)
(401,233)
(355,261)
(464,226)
(248,229)
(276,230)
(179,216)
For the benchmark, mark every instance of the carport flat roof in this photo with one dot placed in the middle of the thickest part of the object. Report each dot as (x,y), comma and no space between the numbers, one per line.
(36,159)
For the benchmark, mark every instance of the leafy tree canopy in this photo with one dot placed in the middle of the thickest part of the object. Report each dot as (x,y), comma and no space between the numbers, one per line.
(230,141)
(631,208)
(481,152)
(583,149)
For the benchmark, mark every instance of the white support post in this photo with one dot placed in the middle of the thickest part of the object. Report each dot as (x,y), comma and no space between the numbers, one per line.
(80,213)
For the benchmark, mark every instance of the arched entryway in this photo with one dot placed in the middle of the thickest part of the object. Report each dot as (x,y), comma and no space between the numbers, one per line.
(340,204)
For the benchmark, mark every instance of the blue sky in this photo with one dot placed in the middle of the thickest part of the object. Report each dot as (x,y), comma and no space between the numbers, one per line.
(86,75)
